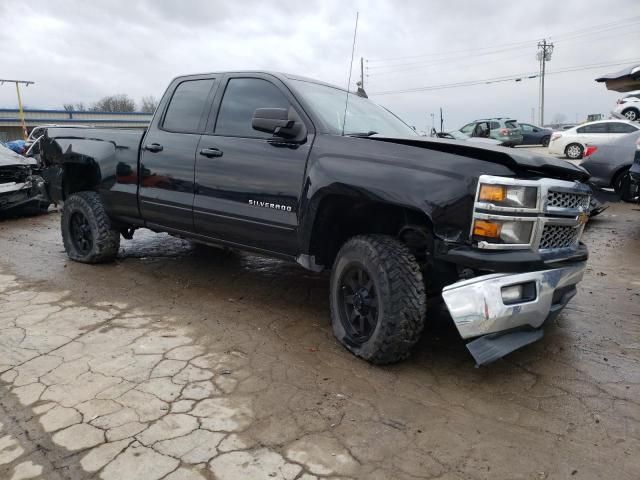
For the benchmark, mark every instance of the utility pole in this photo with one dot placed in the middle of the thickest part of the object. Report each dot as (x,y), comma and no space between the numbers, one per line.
(533,115)
(26,83)
(544,55)
(360,83)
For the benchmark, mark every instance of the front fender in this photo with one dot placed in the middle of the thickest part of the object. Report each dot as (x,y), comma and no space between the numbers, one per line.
(441,185)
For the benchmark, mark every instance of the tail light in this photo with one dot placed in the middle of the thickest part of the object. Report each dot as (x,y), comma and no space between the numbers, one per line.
(504,131)
(620,100)
(590,150)
(555,136)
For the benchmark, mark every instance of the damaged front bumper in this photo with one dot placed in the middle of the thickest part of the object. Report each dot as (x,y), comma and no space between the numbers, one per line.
(504,312)
(18,194)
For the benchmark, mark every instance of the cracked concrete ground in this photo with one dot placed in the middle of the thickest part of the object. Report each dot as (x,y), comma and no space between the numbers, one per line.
(186,363)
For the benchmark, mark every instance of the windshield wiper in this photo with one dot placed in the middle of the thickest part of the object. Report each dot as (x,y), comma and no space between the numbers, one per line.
(361,134)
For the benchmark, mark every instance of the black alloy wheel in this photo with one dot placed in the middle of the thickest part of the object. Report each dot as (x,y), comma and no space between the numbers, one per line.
(81,234)
(359,303)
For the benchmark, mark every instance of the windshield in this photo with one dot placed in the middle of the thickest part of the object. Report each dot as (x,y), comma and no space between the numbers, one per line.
(458,135)
(363,116)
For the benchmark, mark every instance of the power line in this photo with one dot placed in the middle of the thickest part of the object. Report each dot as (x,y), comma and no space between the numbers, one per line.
(585,31)
(507,78)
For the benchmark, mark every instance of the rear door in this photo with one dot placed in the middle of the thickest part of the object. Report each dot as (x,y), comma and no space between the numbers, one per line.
(167,162)
(596,133)
(249,192)
(619,129)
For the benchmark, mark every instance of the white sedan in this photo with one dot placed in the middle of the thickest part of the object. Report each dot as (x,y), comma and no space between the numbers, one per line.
(572,142)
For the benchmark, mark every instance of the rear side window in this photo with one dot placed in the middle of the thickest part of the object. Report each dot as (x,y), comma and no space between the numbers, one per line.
(187,105)
(511,124)
(241,99)
(594,128)
(621,128)
(494,125)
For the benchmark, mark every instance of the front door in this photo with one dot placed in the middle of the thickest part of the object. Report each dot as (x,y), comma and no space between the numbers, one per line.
(168,156)
(249,183)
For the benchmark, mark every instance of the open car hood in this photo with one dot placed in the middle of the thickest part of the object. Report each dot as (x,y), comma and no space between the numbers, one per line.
(518,160)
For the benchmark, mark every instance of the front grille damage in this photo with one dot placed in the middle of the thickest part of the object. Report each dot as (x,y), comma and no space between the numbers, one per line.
(19,187)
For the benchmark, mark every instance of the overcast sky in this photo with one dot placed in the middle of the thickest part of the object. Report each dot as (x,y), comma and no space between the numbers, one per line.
(79,51)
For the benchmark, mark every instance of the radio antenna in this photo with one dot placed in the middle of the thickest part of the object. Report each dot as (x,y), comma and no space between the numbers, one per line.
(353,47)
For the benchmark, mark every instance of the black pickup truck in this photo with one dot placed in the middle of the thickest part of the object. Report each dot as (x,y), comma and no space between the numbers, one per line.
(271,163)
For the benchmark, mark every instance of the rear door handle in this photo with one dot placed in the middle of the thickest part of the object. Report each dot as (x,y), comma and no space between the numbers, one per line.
(154,147)
(211,152)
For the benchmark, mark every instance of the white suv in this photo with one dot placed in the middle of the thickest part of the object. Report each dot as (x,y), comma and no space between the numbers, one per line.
(629,106)
(572,142)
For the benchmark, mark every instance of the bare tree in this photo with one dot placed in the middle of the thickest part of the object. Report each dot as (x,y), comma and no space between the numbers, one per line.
(114,103)
(148,104)
(74,107)
(559,118)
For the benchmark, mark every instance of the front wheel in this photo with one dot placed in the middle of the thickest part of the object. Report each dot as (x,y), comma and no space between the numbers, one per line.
(87,232)
(545,141)
(574,151)
(378,300)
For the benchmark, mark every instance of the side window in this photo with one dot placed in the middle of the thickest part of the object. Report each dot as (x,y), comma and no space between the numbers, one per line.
(616,127)
(495,125)
(187,105)
(594,128)
(525,127)
(241,98)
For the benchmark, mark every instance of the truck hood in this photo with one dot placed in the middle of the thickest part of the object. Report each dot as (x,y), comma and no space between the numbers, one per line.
(10,158)
(521,161)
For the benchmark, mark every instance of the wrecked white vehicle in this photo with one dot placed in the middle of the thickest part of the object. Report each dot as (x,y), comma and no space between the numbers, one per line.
(22,189)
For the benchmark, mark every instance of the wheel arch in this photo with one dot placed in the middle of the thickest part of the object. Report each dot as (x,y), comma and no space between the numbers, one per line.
(340,216)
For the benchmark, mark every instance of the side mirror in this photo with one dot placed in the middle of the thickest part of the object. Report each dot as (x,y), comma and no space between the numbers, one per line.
(281,122)
(536,130)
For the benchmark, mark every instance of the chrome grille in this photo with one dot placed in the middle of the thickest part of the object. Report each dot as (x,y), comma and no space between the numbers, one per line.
(558,236)
(567,200)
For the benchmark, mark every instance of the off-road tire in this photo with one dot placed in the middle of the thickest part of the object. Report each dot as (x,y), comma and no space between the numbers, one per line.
(568,151)
(105,239)
(400,291)
(545,141)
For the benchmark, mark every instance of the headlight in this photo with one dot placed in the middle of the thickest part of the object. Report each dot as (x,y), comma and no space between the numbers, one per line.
(499,231)
(508,195)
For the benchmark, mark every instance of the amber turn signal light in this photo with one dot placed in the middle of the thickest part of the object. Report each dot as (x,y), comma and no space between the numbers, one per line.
(487,229)
(492,193)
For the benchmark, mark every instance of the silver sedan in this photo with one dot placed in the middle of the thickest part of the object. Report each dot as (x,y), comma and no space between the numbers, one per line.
(609,163)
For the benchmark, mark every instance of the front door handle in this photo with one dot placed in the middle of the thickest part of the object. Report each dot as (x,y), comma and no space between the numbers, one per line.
(153,147)
(211,152)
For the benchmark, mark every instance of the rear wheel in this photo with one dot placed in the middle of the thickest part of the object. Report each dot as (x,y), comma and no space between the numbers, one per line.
(378,301)
(627,190)
(631,114)
(87,232)
(545,141)
(574,151)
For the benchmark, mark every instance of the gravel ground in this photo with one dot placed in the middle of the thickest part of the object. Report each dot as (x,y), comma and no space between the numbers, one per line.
(181,362)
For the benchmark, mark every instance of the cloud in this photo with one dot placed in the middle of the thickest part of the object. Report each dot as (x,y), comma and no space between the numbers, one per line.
(80,51)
